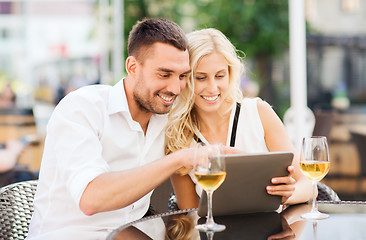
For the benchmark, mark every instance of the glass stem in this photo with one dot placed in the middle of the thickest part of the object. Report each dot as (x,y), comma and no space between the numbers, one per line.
(210,235)
(315,229)
(209,208)
(315,205)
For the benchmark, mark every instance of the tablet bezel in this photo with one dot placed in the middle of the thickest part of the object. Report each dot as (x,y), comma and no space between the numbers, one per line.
(256,168)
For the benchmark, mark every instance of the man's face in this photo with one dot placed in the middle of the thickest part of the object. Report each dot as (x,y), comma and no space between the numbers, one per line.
(160,78)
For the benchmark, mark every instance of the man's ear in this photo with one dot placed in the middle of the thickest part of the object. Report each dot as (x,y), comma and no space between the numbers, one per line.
(131,65)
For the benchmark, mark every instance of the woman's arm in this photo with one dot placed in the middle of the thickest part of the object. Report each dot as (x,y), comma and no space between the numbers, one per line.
(185,191)
(295,188)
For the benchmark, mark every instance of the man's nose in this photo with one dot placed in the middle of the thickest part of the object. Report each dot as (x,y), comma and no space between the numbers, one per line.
(174,86)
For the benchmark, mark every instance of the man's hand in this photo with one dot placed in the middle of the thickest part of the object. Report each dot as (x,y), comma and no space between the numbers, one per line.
(190,156)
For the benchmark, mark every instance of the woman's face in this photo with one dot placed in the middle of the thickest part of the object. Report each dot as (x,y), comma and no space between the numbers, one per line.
(211,78)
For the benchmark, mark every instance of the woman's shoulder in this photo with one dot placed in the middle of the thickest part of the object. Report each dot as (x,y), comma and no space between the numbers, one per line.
(258,105)
(255,102)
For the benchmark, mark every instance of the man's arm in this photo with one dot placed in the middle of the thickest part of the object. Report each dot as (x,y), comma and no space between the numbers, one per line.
(115,190)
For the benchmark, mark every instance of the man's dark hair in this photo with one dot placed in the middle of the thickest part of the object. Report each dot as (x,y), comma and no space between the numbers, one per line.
(149,31)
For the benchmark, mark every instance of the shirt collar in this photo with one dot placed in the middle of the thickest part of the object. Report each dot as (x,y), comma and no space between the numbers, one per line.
(118,103)
(117,98)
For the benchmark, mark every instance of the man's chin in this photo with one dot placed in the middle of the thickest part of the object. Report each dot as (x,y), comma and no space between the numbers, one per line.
(163,110)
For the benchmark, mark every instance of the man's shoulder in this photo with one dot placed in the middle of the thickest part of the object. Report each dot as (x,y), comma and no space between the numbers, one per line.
(93,90)
(86,99)
(91,93)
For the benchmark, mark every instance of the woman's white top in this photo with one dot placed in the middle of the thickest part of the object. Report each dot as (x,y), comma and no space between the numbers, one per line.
(249,133)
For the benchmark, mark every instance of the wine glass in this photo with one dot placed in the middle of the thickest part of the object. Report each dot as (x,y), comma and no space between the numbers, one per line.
(210,174)
(314,164)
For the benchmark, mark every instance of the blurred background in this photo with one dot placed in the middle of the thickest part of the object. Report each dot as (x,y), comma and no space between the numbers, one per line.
(51,47)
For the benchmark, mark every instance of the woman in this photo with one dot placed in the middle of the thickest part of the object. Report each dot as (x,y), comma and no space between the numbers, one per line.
(206,109)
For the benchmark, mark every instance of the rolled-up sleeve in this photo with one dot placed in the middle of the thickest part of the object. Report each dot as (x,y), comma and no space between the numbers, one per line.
(75,131)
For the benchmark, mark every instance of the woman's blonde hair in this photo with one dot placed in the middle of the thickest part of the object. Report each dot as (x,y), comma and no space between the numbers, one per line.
(179,227)
(182,120)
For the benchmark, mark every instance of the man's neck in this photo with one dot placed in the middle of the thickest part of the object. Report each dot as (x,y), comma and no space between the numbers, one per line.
(137,114)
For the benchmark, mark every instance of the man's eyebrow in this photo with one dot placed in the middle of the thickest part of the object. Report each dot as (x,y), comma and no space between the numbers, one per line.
(189,71)
(165,70)
(170,71)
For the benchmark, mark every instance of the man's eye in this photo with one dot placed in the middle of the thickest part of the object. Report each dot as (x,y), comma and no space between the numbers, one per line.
(164,75)
(183,76)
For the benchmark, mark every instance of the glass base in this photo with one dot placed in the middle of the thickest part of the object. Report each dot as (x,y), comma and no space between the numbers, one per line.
(213,227)
(314,216)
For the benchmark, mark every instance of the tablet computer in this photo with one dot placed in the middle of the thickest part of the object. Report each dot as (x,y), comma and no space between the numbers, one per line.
(244,189)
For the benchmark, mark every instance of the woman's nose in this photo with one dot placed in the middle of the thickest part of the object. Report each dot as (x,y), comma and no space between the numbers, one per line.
(212,85)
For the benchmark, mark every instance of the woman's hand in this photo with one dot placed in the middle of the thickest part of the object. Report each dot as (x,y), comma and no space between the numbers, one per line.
(283,186)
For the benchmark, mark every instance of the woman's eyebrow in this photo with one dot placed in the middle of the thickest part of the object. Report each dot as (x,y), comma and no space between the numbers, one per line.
(222,70)
(200,73)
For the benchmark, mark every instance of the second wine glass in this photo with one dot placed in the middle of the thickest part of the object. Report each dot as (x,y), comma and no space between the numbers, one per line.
(210,174)
(314,164)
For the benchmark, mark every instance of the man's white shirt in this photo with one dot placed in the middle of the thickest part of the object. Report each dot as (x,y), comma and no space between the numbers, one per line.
(90,132)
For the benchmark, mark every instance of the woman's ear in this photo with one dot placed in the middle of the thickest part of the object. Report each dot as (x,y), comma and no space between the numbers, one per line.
(131,65)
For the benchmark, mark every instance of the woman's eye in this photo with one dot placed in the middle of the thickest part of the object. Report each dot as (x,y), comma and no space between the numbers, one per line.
(220,76)
(200,78)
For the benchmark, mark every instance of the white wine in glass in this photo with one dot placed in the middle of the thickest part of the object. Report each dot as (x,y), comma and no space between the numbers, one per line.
(210,174)
(314,164)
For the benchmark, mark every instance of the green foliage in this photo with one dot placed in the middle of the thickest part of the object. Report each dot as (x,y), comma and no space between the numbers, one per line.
(259,28)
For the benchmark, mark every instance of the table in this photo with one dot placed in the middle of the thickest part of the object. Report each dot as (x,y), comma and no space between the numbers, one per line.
(347,221)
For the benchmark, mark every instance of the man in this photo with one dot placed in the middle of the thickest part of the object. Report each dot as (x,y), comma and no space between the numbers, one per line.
(104,150)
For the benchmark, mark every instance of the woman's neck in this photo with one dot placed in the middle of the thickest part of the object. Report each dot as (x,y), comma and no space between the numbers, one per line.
(214,126)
